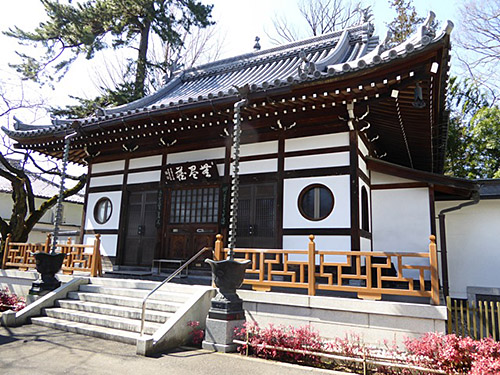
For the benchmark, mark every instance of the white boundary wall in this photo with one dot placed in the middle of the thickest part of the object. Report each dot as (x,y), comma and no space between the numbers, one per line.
(473,246)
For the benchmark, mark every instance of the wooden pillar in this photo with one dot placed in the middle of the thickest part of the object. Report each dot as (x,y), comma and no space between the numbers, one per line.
(354,189)
(219,248)
(6,249)
(68,259)
(434,271)
(48,241)
(311,267)
(96,266)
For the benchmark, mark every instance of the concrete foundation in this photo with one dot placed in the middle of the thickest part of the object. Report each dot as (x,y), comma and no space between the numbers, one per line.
(374,321)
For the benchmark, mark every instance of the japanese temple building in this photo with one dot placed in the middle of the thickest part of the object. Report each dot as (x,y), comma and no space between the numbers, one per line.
(343,137)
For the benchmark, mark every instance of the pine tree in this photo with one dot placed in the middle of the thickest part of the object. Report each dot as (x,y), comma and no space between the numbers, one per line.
(84,28)
(405,22)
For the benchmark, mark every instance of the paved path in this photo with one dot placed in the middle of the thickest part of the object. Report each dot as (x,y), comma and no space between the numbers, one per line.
(30,350)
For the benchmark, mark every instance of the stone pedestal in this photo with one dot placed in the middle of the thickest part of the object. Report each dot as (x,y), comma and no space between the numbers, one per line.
(219,335)
(226,308)
(223,317)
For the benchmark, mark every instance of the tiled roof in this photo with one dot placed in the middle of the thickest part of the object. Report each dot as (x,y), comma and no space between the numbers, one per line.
(489,188)
(313,59)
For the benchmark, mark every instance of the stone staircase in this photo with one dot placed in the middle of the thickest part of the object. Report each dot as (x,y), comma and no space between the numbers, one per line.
(111,308)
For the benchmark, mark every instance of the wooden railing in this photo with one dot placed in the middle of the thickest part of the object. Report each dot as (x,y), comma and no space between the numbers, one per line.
(369,274)
(477,319)
(85,258)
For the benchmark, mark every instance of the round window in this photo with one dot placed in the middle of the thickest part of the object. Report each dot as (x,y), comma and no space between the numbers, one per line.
(316,202)
(102,210)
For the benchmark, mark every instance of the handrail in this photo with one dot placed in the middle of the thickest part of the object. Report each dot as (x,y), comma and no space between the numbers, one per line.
(172,275)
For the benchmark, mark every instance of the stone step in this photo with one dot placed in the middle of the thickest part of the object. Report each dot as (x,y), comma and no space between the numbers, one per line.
(87,329)
(114,310)
(114,322)
(110,299)
(137,293)
(143,284)
(124,283)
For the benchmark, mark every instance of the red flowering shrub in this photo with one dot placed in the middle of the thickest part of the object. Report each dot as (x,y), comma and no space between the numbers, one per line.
(448,353)
(197,334)
(10,301)
(485,366)
(351,346)
(303,338)
(455,355)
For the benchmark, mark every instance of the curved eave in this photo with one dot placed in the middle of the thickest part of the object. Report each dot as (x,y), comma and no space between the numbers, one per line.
(339,71)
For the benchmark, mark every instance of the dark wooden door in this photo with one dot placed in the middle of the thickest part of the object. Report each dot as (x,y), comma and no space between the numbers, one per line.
(142,232)
(257,216)
(192,222)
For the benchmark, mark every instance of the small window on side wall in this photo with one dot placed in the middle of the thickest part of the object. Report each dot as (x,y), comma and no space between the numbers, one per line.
(102,210)
(316,202)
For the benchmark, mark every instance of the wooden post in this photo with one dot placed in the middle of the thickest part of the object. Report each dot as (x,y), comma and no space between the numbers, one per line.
(218,253)
(434,271)
(311,267)
(68,259)
(449,314)
(47,243)
(96,266)
(219,248)
(6,249)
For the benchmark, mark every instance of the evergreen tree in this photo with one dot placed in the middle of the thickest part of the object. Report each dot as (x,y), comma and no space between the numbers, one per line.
(473,149)
(84,28)
(405,22)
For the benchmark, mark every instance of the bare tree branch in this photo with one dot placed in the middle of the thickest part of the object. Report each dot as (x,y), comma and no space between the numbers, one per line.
(480,38)
(320,17)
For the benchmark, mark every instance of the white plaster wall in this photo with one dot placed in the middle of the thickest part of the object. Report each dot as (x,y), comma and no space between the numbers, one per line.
(148,161)
(108,243)
(362,147)
(197,155)
(115,198)
(380,178)
(473,245)
(341,214)
(401,223)
(143,177)
(109,166)
(220,169)
(366,244)
(72,213)
(106,180)
(5,205)
(257,166)
(401,220)
(317,161)
(317,141)
(323,242)
(362,165)
(261,148)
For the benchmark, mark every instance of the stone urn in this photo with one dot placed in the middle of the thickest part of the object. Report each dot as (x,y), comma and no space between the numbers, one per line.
(228,276)
(47,264)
